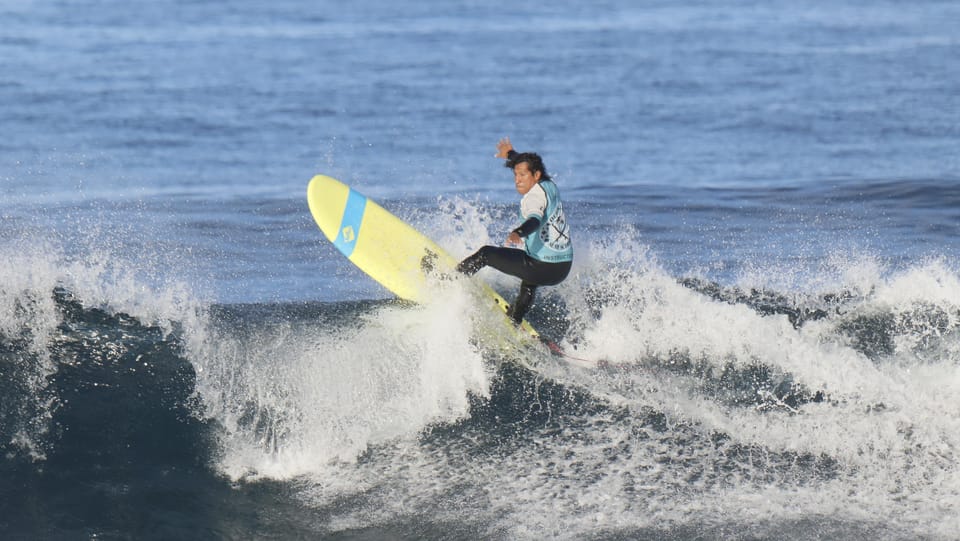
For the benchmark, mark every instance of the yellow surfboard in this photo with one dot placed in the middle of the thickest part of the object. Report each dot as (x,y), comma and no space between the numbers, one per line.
(385,247)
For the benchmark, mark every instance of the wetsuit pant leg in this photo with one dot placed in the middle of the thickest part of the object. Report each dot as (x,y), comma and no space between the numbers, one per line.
(516,262)
(523,301)
(506,260)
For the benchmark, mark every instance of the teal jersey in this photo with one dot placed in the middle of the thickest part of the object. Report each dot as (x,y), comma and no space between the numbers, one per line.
(551,243)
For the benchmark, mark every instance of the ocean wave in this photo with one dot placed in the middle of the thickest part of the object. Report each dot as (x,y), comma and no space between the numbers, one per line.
(765,393)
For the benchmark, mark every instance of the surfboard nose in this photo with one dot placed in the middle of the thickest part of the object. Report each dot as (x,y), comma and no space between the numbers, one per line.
(327,199)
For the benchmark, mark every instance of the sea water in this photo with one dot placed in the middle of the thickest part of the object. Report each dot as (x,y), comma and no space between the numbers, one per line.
(764,205)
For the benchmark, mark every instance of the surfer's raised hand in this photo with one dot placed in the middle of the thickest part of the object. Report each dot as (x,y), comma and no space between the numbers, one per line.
(503,148)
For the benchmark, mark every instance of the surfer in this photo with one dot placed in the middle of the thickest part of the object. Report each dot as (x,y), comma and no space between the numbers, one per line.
(538,251)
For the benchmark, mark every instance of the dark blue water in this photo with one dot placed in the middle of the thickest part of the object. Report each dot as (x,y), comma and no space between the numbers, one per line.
(764,198)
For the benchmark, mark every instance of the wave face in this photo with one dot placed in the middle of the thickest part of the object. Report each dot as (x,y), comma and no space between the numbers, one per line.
(829,414)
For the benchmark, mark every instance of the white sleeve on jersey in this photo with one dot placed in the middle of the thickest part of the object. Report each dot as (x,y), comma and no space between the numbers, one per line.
(534,203)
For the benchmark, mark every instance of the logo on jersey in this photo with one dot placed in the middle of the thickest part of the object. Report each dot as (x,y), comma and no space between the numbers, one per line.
(555,233)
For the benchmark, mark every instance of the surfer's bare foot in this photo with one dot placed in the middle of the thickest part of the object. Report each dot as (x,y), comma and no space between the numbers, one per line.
(428,265)
(428,262)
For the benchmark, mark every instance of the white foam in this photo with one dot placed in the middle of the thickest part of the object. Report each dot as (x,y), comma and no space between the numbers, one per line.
(323,395)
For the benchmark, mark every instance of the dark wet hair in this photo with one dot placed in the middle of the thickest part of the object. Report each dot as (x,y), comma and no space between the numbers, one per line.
(532,159)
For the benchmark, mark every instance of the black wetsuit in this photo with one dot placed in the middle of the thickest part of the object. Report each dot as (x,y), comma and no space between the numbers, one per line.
(516,262)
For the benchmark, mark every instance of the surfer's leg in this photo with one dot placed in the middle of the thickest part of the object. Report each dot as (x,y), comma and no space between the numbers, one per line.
(473,263)
(517,263)
(506,260)
(523,301)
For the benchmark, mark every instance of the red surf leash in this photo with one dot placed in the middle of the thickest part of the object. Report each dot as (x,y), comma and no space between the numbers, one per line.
(558,351)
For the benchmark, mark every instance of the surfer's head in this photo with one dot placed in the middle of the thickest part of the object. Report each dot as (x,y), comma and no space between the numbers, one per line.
(532,159)
(528,170)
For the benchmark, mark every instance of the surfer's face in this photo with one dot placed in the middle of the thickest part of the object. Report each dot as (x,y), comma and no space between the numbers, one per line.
(524,179)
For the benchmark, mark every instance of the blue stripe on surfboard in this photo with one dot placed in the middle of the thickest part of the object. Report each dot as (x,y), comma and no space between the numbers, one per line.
(349,231)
